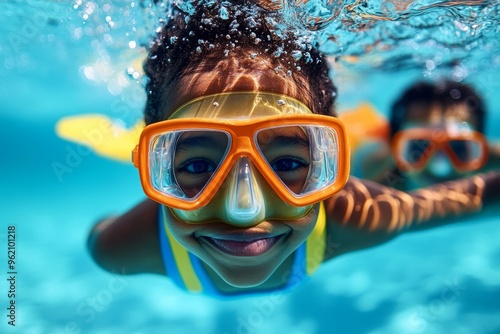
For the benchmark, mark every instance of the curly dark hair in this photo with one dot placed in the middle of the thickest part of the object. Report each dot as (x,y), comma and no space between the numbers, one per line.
(445,93)
(214,31)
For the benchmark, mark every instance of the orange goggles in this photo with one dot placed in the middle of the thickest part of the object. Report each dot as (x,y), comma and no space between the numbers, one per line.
(412,149)
(183,162)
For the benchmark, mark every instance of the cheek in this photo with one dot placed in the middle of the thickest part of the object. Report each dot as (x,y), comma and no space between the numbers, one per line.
(181,231)
(304,226)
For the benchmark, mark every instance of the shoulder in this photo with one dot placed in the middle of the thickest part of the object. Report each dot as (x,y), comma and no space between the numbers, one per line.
(362,215)
(129,243)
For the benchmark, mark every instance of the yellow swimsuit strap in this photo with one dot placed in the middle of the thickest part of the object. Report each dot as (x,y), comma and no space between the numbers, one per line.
(316,242)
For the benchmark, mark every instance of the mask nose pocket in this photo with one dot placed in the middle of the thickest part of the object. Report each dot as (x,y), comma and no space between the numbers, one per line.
(245,202)
(440,166)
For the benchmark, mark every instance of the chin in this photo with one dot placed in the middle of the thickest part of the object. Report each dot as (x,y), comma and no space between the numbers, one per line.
(245,277)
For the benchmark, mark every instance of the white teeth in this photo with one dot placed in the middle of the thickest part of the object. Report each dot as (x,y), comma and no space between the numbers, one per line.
(244,248)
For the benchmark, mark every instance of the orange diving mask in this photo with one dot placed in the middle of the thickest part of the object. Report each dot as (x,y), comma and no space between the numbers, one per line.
(184,161)
(412,149)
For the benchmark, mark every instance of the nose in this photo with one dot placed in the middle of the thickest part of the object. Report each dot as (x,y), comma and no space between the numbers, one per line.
(243,200)
(245,204)
(440,165)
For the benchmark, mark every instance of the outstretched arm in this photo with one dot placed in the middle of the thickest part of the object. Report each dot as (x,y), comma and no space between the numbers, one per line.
(457,201)
(128,244)
(365,214)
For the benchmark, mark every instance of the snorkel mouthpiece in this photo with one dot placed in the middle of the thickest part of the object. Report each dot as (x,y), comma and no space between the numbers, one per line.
(246,201)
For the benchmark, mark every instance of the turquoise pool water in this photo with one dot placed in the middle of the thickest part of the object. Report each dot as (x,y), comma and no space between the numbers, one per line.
(440,281)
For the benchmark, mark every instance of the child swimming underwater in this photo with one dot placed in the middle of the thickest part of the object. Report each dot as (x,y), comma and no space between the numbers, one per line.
(246,167)
(437,134)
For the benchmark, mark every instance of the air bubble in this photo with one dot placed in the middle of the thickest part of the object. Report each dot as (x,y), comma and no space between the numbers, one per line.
(250,22)
(223,13)
(307,55)
(296,54)
(207,22)
(429,64)
(281,102)
(455,94)
(278,52)
(215,104)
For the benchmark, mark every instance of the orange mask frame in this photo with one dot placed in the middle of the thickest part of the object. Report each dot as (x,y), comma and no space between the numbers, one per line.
(243,144)
(439,140)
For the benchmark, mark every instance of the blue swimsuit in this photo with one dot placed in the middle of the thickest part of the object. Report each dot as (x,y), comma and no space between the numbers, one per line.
(187,272)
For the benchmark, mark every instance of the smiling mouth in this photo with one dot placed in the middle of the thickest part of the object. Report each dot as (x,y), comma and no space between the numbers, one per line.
(251,247)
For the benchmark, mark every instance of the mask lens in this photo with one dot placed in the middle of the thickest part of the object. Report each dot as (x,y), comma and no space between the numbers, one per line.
(303,157)
(414,150)
(466,150)
(184,161)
